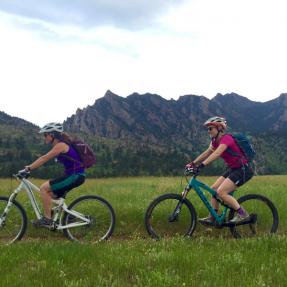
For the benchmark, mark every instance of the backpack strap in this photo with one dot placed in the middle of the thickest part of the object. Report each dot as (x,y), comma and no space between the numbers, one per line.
(241,155)
(72,159)
(232,152)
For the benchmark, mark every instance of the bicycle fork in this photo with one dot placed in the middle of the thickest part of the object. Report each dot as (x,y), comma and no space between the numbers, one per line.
(174,216)
(8,206)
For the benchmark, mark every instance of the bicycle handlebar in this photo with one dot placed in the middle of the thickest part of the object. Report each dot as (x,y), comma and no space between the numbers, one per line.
(22,174)
(191,171)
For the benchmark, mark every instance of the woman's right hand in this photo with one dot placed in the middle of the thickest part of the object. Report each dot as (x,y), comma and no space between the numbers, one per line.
(190,165)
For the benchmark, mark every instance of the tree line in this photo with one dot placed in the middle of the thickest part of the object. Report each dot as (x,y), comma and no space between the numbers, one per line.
(124,159)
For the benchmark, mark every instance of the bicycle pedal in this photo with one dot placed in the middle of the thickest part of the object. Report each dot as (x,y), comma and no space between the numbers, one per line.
(228,224)
(253,218)
(53,227)
(38,225)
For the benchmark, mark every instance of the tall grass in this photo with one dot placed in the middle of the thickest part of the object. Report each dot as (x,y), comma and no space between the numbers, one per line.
(131,196)
(174,262)
(210,258)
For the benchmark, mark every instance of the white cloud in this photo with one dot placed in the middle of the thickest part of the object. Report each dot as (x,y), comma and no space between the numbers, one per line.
(130,14)
(200,47)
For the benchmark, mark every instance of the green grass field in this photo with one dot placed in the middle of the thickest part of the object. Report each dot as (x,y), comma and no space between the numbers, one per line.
(130,258)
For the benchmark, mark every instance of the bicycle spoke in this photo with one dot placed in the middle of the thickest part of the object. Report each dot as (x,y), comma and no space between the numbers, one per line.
(15,223)
(100,215)
(168,216)
(264,213)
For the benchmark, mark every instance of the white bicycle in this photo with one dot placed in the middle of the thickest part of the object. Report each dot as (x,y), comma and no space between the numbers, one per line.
(88,218)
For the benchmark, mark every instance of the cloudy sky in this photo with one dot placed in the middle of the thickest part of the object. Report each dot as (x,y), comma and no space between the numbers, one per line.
(60,55)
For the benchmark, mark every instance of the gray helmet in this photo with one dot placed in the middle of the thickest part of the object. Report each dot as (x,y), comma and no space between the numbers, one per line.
(52,127)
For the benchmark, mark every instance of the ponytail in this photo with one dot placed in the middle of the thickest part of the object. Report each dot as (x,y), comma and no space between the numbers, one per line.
(63,137)
(66,138)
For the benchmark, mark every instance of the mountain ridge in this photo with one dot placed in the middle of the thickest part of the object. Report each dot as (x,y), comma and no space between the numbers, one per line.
(114,116)
(145,134)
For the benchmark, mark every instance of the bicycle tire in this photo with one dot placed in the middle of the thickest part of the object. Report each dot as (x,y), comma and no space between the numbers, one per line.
(15,224)
(158,216)
(265,214)
(100,212)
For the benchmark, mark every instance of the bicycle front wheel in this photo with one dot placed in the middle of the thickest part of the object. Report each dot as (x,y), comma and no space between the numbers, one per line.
(101,219)
(263,215)
(169,215)
(13,224)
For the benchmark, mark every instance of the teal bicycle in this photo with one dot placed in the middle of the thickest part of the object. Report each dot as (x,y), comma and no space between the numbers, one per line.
(174,215)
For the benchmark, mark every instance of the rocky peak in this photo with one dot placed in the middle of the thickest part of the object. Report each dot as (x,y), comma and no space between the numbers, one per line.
(149,116)
(109,94)
(233,98)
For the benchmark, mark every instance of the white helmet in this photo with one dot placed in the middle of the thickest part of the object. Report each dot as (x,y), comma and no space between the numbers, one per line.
(52,127)
(217,122)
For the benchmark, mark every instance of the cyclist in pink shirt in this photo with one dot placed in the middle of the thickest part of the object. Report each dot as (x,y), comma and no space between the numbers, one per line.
(237,173)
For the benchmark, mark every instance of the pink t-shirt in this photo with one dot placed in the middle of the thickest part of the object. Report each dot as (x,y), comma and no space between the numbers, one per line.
(232,161)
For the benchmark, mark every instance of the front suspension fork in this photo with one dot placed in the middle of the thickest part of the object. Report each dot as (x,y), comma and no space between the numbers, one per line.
(174,216)
(7,208)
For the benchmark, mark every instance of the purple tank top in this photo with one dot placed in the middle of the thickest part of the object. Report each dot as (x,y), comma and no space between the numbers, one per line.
(71,162)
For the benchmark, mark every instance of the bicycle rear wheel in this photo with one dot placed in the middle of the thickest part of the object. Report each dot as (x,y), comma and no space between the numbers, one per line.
(13,224)
(169,215)
(263,214)
(98,211)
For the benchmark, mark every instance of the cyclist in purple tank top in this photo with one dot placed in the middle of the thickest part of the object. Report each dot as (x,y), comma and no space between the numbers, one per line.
(71,162)
(238,171)
(66,155)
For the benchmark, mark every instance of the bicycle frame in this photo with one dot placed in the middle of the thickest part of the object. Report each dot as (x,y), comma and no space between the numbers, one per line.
(61,206)
(163,217)
(198,186)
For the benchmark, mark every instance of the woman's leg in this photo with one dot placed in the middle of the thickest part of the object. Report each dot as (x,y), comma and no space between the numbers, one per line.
(223,191)
(215,204)
(46,195)
(215,186)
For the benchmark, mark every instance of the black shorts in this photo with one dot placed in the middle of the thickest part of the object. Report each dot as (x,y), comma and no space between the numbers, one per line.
(239,175)
(61,185)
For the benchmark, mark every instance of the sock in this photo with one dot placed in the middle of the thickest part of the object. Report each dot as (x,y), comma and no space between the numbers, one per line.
(241,211)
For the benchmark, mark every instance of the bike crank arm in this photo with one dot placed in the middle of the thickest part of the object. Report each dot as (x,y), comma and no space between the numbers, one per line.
(251,220)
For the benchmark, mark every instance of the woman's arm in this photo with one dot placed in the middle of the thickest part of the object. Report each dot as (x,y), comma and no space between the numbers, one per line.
(216,154)
(204,155)
(54,152)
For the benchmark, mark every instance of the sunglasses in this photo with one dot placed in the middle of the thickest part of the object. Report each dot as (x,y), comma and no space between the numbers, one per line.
(210,128)
(46,134)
